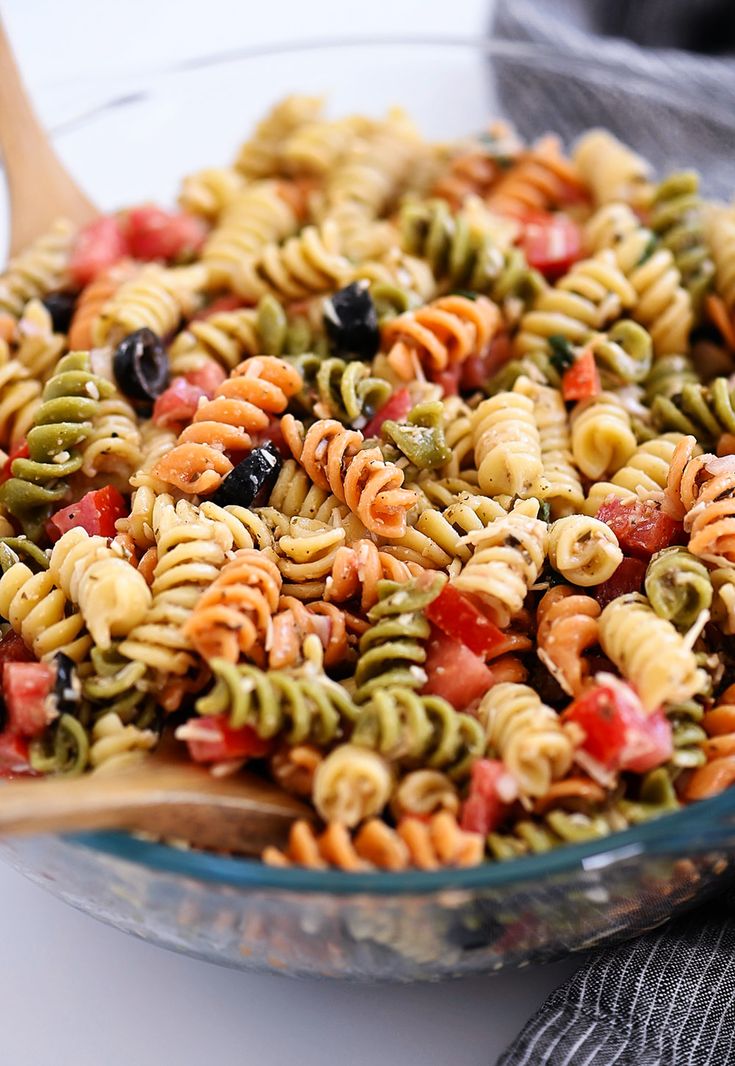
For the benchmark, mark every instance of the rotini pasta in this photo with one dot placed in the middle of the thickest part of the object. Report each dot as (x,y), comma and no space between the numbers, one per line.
(649,652)
(527,735)
(367,494)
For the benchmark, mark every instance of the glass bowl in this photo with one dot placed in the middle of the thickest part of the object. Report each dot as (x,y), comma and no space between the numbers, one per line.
(411,925)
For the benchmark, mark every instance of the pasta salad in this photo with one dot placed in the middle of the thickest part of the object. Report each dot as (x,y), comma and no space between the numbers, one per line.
(402,472)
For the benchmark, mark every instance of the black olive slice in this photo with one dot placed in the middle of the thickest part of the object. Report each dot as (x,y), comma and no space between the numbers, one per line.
(60,305)
(140,365)
(351,322)
(249,478)
(67,690)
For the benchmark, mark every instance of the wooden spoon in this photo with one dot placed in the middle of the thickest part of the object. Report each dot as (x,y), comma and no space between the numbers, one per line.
(41,189)
(162,795)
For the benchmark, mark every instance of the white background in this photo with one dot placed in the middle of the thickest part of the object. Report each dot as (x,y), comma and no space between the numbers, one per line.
(73,992)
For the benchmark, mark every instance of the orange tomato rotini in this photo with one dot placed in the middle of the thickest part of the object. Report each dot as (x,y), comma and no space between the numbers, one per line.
(441,334)
(334,459)
(258,387)
(233,616)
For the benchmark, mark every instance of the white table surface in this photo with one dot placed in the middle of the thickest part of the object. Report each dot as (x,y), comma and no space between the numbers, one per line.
(74,992)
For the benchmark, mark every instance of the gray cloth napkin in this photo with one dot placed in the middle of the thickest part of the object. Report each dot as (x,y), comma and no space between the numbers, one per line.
(672,105)
(667,998)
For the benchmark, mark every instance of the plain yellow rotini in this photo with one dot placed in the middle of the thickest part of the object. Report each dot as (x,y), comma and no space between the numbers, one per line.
(256,216)
(649,652)
(38,270)
(309,263)
(507,444)
(612,170)
(594,293)
(508,557)
(644,473)
(602,436)
(719,229)
(113,447)
(260,155)
(39,348)
(559,484)
(527,735)
(111,595)
(116,746)
(351,784)
(156,298)
(661,304)
(208,192)
(191,553)
(583,550)
(39,611)
(20,397)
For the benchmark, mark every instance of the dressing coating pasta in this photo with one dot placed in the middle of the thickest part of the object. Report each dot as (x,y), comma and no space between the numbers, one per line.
(402,472)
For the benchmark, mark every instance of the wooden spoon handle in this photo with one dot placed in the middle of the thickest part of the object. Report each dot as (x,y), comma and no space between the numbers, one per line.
(41,190)
(241,815)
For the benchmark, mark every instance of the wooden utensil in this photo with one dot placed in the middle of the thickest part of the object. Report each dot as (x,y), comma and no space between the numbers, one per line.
(41,189)
(162,795)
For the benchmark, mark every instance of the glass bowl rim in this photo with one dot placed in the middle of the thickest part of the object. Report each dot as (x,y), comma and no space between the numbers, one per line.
(702,818)
(638,68)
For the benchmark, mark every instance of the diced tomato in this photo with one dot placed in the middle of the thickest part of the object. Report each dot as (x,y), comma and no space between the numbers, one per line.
(96,512)
(20,451)
(395,409)
(13,650)
(213,740)
(177,405)
(454,672)
(627,578)
(208,378)
(26,688)
(157,234)
(581,380)
(618,734)
(459,618)
(641,526)
(98,245)
(448,379)
(274,434)
(13,755)
(222,303)
(476,371)
(491,791)
(551,243)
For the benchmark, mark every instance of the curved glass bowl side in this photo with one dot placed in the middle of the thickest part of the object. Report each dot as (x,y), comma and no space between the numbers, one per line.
(378,935)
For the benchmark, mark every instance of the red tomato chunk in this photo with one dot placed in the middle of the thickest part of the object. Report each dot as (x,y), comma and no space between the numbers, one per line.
(98,246)
(13,649)
(491,790)
(13,755)
(26,688)
(395,409)
(97,512)
(208,378)
(153,233)
(177,405)
(618,734)
(454,672)
(640,526)
(581,380)
(20,451)
(213,740)
(627,578)
(552,243)
(460,619)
